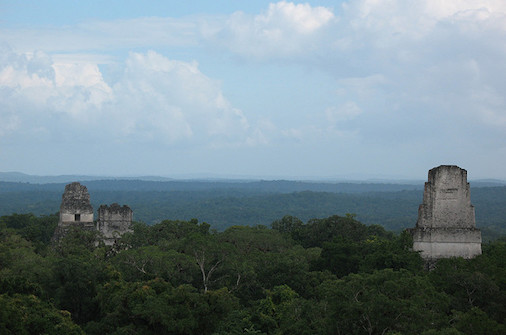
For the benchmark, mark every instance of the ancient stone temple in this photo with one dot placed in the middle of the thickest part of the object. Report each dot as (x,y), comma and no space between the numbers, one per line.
(446,225)
(114,221)
(75,210)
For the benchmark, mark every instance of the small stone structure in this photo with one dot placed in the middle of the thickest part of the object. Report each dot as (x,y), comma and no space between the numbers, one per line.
(114,221)
(446,225)
(77,211)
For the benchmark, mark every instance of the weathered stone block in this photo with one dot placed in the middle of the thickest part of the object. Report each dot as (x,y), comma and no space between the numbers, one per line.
(443,243)
(75,210)
(114,221)
(446,223)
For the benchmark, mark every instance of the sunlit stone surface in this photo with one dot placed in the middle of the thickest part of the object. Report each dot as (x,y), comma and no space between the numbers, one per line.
(446,225)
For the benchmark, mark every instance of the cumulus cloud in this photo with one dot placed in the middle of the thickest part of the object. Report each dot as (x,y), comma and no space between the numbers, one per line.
(284,30)
(391,55)
(398,69)
(173,100)
(423,63)
(38,95)
(301,18)
(418,18)
(155,98)
(407,64)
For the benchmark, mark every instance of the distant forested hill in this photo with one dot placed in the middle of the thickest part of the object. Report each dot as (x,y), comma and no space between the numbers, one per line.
(226,203)
(234,186)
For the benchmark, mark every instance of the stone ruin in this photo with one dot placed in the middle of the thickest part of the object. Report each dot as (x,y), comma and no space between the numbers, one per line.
(446,224)
(77,211)
(113,221)
(445,228)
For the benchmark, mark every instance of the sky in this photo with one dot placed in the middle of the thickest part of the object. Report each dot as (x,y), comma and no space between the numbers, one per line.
(352,89)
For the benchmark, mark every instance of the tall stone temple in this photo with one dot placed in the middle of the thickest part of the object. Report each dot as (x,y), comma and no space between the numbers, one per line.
(77,211)
(446,225)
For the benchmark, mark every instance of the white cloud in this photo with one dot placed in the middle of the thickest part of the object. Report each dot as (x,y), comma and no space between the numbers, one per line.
(147,32)
(459,8)
(284,30)
(413,63)
(346,111)
(394,56)
(155,99)
(401,74)
(418,18)
(301,18)
(174,100)
(25,71)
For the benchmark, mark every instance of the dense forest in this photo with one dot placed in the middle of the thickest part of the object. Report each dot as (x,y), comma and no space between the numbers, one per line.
(333,275)
(224,204)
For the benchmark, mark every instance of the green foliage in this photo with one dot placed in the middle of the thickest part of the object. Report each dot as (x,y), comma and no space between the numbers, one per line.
(384,301)
(394,253)
(477,322)
(327,276)
(75,279)
(150,262)
(393,206)
(76,242)
(343,256)
(445,331)
(288,224)
(167,230)
(156,307)
(282,312)
(469,285)
(318,231)
(493,263)
(13,285)
(27,314)
(38,230)
(19,261)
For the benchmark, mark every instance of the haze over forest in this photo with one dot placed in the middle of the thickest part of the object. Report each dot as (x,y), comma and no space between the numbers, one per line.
(225,203)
